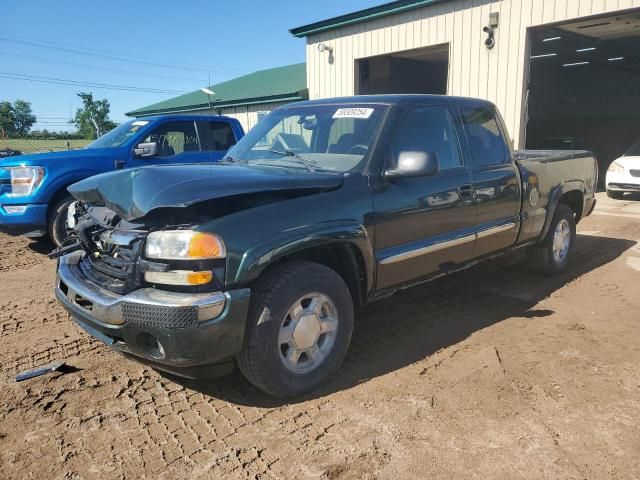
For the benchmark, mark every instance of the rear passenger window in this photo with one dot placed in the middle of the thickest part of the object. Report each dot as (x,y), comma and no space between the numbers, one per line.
(174,138)
(485,140)
(429,129)
(222,136)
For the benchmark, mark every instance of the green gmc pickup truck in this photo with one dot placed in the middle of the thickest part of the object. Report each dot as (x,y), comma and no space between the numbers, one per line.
(261,260)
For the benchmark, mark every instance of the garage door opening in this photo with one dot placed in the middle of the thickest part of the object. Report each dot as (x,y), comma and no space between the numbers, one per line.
(423,70)
(584,86)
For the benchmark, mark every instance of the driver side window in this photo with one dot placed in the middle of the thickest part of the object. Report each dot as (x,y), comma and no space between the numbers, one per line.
(429,129)
(174,138)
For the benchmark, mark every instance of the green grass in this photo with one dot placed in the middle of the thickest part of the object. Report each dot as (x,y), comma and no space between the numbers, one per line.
(27,145)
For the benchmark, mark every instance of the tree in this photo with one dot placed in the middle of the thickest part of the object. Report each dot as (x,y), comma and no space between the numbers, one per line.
(7,118)
(92,120)
(24,118)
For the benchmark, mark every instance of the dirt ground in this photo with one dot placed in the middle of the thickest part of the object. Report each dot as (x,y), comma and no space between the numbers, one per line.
(492,373)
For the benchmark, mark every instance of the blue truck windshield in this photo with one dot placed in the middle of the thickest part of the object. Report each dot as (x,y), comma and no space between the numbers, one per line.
(119,135)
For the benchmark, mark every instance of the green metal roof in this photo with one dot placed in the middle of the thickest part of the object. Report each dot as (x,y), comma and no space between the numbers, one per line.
(281,84)
(384,10)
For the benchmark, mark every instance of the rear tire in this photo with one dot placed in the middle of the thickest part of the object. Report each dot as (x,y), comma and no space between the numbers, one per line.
(553,254)
(615,194)
(57,223)
(298,331)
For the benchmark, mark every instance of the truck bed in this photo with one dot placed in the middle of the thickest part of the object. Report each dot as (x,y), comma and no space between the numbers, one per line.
(546,175)
(550,155)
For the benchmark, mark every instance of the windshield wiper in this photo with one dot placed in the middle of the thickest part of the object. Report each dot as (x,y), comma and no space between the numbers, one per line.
(310,164)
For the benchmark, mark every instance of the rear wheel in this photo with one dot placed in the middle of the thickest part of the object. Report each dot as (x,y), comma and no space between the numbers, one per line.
(299,329)
(615,194)
(57,223)
(552,255)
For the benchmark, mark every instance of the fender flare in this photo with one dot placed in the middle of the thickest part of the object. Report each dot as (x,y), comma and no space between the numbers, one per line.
(554,199)
(269,250)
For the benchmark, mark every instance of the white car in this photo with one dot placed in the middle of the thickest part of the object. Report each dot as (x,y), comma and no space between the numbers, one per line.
(623,174)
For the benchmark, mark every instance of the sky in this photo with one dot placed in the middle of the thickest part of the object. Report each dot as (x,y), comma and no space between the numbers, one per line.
(170,46)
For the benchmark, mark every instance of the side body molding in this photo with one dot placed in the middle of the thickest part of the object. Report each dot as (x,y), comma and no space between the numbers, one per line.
(443,245)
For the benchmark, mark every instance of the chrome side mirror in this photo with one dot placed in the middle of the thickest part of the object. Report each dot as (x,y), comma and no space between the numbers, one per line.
(145,150)
(414,164)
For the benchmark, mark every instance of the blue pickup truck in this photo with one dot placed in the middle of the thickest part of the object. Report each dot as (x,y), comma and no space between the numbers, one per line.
(33,188)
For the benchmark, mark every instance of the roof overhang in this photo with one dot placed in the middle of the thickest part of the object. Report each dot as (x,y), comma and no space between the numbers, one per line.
(360,16)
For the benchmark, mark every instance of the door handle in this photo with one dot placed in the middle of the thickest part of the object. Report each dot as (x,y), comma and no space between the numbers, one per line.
(118,164)
(466,191)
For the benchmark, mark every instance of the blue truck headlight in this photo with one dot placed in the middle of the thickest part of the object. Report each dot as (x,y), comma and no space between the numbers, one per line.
(24,180)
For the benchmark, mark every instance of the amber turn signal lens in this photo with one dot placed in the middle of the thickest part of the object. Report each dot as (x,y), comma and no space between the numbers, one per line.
(199,278)
(203,245)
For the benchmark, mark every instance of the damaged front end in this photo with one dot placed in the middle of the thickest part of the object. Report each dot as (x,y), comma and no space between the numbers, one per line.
(140,271)
(112,258)
(115,258)
(152,292)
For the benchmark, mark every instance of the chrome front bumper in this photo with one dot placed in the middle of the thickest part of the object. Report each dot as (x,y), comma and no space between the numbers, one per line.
(191,335)
(107,307)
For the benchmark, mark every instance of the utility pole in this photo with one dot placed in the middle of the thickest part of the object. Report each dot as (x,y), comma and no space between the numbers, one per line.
(208,92)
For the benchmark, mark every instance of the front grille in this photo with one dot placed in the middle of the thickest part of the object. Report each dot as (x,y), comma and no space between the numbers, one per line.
(114,268)
(635,173)
(159,316)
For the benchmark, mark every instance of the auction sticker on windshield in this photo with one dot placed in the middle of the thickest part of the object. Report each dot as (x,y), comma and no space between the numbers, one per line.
(353,113)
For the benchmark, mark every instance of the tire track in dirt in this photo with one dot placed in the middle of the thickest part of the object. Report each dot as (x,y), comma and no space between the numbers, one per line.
(21,317)
(165,429)
(16,254)
(58,349)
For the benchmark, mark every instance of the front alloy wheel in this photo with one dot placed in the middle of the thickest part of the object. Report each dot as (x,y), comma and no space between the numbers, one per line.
(299,328)
(308,332)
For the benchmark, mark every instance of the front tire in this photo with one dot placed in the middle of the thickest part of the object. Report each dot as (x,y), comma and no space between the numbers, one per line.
(553,254)
(299,328)
(57,223)
(616,195)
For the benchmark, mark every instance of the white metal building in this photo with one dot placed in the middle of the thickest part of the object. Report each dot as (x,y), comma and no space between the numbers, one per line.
(560,71)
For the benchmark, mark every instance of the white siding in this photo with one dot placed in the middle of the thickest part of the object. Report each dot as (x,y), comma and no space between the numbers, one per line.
(246,115)
(497,75)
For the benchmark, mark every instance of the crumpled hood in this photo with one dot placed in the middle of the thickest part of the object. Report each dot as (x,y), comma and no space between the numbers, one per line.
(132,194)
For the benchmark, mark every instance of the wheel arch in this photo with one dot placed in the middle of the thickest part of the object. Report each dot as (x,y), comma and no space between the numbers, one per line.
(59,188)
(569,193)
(345,248)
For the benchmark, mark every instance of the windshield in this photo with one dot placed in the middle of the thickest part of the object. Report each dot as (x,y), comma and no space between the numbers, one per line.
(119,135)
(633,151)
(333,138)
